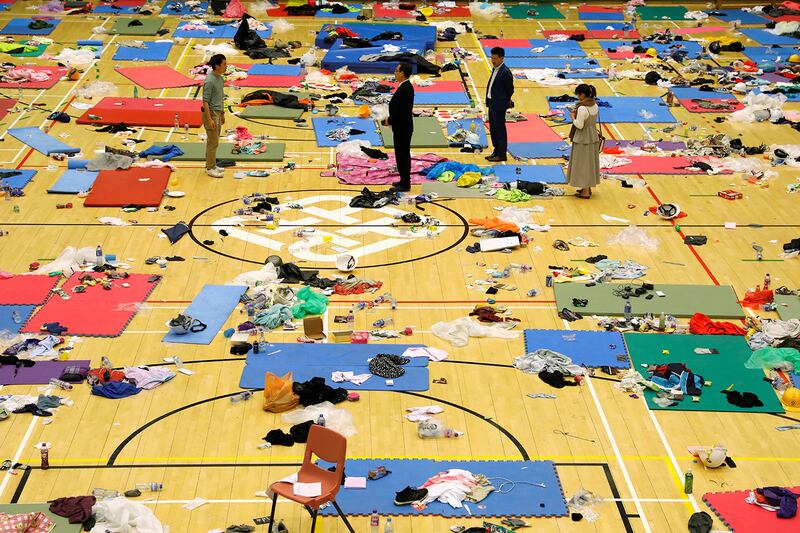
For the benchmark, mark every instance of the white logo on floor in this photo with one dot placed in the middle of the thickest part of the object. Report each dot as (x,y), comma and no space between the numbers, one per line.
(359,235)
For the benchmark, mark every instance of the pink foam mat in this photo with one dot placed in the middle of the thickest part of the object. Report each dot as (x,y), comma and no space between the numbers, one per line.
(532,130)
(742,517)
(695,108)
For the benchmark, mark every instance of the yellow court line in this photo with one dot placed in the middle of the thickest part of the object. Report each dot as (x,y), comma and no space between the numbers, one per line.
(678,482)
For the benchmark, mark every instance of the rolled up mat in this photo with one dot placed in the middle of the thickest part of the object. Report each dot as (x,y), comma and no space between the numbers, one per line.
(77,163)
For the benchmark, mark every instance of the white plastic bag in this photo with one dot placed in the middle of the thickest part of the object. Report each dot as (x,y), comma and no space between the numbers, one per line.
(309,59)
(353,148)
(633,236)
(337,419)
(458,332)
(281,26)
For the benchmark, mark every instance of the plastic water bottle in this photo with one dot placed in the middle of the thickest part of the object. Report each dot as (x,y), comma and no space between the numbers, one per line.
(186,130)
(15,316)
(55,382)
(152,486)
(135,91)
(45,464)
(628,310)
(321,420)
(374,521)
(688,482)
(241,397)
(767,281)
(388,528)
(177,123)
(98,256)
(662,321)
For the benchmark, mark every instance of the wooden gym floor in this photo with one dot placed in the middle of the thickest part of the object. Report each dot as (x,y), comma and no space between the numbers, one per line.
(187,435)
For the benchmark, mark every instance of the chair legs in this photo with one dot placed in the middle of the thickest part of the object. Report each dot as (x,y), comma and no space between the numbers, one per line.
(272,512)
(313,519)
(342,516)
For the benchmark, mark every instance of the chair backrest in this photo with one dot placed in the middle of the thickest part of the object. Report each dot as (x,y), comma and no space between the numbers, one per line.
(329,446)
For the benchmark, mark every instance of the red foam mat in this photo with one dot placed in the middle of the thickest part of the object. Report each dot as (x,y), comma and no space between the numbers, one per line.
(56,73)
(532,130)
(596,34)
(701,29)
(742,517)
(97,312)
(136,185)
(455,12)
(381,11)
(694,108)
(506,43)
(267,80)
(5,106)
(279,11)
(598,9)
(144,112)
(623,55)
(649,164)
(26,290)
(157,77)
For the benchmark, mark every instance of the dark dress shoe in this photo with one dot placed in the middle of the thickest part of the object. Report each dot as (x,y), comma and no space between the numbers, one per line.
(495,159)
(400,188)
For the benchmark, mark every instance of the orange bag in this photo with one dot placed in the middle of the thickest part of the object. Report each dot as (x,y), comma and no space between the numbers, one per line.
(278,393)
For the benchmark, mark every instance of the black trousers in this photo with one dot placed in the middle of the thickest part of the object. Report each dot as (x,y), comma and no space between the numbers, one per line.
(402,155)
(497,130)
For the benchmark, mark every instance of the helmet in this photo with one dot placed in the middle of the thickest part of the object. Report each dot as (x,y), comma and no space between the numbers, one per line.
(791,399)
(715,47)
(713,457)
(363,111)
(794,58)
(668,211)
(651,52)
(346,262)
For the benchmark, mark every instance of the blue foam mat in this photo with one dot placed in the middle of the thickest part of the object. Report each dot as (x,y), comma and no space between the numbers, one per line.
(184,10)
(626,109)
(606,25)
(212,306)
(543,173)
(326,13)
(795,97)
(524,500)
(7,320)
(551,62)
(19,181)
(117,10)
(98,44)
(692,47)
(338,57)
(586,74)
(323,125)
(368,30)
(153,52)
(480,128)
(441,98)
(416,378)
(767,54)
(589,348)
(683,93)
(534,150)
(551,49)
(264,69)
(73,181)
(42,142)
(19,26)
(764,37)
(331,353)
(600,16)
(737,14)
(217,32)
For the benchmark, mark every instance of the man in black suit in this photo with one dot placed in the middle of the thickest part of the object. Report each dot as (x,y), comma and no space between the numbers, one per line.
(498,100)
(401,120)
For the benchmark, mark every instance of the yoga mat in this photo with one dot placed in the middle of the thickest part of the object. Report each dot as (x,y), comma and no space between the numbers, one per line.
(217,32)
(587,348)
(427,134)
(600,13)
(153,52)
(55,75)
(692,92)
(594,34)
(653,164)
(729,15)
(795,97)
(156,77)
(551,62)
(543,173)
(39,374)
(331,353)
(626,109)
(605,25)
(264,69)
(525,499)
(61,523)
(432,98)
(586,74)
(19,26)
(467,124)
(179,8)
(742,517)
(41,142)
(7,316)
(327,13)
(96,312)
(117,9)
(144,112)
(458,12)
(31,289)
(19,181)
(273,153)
(692,48)
(380,10)
(539,150)
(273,112)
(767,54)
(661,12)
(451,190)
(267,81)
(694,107)
(701,29)
(73,181)
(323,125)
(425,35)
(149,26)
(524,47)
(36,53)
(212,306)
(788,306)
(115,188)
(723,369)
(533,128)
(764,37)
(718,301)
(542,11)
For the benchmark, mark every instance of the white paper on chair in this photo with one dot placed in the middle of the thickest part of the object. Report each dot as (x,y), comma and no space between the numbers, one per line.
(307,490)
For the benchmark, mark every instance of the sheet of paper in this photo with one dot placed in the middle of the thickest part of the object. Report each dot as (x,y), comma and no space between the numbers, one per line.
(308,490)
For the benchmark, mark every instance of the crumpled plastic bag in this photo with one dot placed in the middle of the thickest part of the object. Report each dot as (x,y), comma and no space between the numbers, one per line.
(310,303)
(379,112)
(266,274)
(457,332)
(96,88)
(281,26)
(69,260)
(633,236)
(309,59)
(336,419)
(485,9)
(353,148)
(278,393)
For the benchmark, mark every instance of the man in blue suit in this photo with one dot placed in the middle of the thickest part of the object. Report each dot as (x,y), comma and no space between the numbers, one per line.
(498,100)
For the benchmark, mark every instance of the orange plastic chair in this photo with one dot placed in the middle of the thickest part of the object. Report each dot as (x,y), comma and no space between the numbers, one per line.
(331,447)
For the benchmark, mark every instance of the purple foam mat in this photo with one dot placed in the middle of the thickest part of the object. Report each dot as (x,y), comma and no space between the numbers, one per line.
(774,78)
(664,145)
(39,374)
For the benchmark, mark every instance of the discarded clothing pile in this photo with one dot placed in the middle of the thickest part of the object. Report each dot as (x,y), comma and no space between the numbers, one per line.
(373,200)
(676,376)
(700,324)
(355,170)
(32,347)
(552,367)
(775,499)
(268,97)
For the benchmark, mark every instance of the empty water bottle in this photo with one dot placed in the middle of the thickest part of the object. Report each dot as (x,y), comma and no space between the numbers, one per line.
(627,310)
(186,131)
(152,486)
(321,420)
(98,256)
(60,384)
(241,397)
(374,521)
(177,123)
(103,494)
(15,316)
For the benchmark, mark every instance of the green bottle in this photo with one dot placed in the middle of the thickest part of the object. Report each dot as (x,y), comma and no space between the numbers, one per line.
(688,481)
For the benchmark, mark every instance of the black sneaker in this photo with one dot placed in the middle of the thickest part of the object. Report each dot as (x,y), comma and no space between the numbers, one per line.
(409,495)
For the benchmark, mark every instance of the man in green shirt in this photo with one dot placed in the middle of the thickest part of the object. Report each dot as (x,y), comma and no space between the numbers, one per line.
(213,111)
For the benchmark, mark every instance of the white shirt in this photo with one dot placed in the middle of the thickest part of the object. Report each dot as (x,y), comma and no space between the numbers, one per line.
(491,81)
(584,113)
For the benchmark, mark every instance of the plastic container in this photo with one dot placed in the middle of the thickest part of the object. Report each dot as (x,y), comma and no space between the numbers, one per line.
(151,486)
(374,521)
(241,397)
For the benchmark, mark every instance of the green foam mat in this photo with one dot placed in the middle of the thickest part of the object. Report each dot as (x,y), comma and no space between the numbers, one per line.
(61,524)
(723,370)
(36,53)
(197,152)
(150,26)
(680,300)
(451,190)
(273,112)
(661,13)
(427,134)
(543,11)
(788,306)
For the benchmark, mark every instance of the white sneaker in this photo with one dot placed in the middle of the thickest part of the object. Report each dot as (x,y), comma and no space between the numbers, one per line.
(213,172)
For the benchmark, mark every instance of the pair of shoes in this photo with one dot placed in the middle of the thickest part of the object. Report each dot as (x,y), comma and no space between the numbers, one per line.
(569,315)
(214,173)
(440,381)
(399,188)
(409,495)
(495,159)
